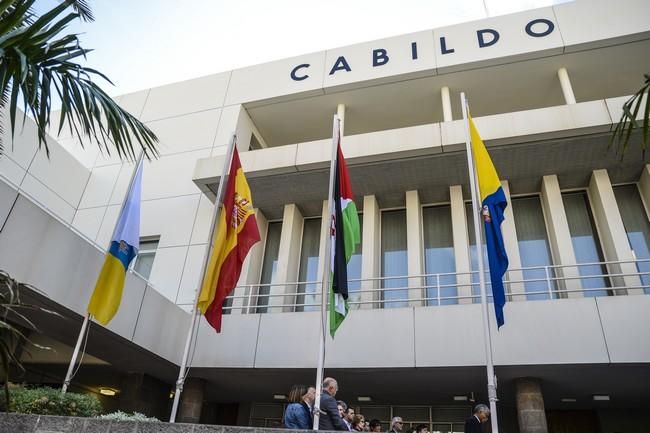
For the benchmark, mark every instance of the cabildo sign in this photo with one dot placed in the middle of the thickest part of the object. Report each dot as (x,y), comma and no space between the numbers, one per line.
(484,37)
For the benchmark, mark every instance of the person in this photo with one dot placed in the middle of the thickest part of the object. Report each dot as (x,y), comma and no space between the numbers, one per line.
(481,415)
(358,423)
(348,417)
(329,418)
(298,414)
(396,425)
(342,407)
(374,426)
(421,428)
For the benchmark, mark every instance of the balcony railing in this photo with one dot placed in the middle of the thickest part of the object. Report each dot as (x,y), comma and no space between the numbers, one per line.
(439,289)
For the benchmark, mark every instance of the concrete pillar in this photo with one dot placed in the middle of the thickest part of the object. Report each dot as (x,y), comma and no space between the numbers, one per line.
(644,187)
(461,244)
(288,260)
(446,105)
(191,401)
(612,233)
(142,393)
(371,247)
(509,232)
(251,269)
(530,406)
(560,236)
(567,89)
(414,248)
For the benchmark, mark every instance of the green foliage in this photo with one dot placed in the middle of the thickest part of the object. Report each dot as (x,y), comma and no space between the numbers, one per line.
(50,401)
(36,61)
(125,416)
(628,121)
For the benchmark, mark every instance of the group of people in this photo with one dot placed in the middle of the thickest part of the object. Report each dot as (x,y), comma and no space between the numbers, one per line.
(337,415)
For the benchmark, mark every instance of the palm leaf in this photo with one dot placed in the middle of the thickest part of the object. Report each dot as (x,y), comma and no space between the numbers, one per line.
(622,131)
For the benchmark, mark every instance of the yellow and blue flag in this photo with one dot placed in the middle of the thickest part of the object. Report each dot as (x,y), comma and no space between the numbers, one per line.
(124,246)
(493,205)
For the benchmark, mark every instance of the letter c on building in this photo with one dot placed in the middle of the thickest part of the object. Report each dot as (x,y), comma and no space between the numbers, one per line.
(295,76)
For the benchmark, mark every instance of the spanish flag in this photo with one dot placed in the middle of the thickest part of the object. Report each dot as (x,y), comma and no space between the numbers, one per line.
(235,233)
(493,202)
(124,246)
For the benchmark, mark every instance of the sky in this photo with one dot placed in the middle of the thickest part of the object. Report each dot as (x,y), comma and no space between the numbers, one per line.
(140,44)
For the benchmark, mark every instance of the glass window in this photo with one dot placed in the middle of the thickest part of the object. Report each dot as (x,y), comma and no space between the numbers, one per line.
(439,255)
(354,271)
(270,265)
(476,288)
(585,243)
(533,247)
(394,259)
(308,270)
(637,227)
(146,255)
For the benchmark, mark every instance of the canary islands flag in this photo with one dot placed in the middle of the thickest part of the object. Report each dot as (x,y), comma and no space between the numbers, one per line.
(124,246)
(493,205)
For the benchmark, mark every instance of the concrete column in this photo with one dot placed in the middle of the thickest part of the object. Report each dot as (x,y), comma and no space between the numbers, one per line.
(191,401)
(567,89)
(371,247)
(414,248)
(530,406)
(509,232)
(461,243)
(560,236)
(612,233)
(340,111)
(251,269)
(288,259)
(644,187)
(446,105)
(142,393)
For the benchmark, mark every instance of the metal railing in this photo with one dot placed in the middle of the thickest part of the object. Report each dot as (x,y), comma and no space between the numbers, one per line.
(438,289)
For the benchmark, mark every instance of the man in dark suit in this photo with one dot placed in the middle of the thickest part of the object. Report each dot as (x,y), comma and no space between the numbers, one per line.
(474,423)
(329,413)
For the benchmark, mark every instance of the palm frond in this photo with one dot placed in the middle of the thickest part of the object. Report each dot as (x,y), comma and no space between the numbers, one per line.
(37,63)
(628,122)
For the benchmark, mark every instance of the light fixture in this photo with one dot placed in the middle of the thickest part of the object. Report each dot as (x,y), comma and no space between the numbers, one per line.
(364,398)
(107,391)
(460,398)
(601,397)
(279,397)
(172,393)
(568,400)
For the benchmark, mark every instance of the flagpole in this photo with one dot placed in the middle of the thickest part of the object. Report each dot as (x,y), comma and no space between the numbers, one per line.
(195,311)
(491,378)
(326,274)
(87,321)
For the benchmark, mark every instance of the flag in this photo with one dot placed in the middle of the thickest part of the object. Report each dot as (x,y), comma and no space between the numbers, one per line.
(124,246)
(493,205)
(235,233)
(345,235)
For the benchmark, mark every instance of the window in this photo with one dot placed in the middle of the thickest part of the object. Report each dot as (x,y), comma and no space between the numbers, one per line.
(269,265)
(585,243)
(476,288)
(146,255)
(439,255)
(354,270)
(533,247)
(394,259)
(637,227)
(309,287)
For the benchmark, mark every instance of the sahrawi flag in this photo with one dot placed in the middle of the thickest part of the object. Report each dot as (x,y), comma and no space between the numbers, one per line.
(345,237)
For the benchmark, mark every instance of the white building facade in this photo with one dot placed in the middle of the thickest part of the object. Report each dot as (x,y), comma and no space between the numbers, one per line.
(544,86)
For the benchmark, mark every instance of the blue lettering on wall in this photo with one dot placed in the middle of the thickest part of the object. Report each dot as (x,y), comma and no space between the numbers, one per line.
(295,76)
(340,64)
(379,57)
(482,43)
(414,50)
(443,46)
(549,28)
